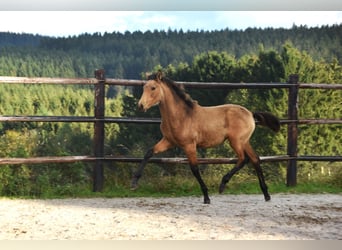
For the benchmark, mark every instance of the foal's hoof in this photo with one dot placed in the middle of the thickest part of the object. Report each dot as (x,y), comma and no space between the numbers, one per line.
(267,198)
(134,184)
(222,188)
(207,201)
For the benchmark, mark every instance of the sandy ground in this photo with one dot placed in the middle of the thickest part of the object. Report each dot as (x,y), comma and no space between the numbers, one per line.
(228,217)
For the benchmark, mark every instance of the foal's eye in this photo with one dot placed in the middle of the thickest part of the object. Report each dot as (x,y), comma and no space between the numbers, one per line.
(153,88)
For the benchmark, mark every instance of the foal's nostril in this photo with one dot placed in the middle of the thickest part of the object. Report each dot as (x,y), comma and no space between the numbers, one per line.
(140,106)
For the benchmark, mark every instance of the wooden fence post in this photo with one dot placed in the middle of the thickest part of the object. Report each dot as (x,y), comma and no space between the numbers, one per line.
(292,131)
(99,110)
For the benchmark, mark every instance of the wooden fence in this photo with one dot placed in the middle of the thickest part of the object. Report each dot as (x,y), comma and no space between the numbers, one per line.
(99,121)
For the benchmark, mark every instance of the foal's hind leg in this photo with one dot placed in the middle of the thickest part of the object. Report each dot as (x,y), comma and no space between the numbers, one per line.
(161,146)
(237,146)
(242,160)
(256,163)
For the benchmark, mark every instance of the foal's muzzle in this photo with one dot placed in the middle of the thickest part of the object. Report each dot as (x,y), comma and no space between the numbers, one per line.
(141,107)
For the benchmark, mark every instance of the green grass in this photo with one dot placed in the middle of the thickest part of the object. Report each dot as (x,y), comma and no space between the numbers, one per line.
(178,187)
(148,190)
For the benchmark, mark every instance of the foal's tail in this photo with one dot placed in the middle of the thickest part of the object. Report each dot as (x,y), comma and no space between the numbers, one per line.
(268,120)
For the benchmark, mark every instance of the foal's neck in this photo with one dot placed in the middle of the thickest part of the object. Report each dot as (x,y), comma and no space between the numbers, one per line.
(172,107)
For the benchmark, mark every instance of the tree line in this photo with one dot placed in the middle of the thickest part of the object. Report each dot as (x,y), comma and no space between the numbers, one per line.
(126,55)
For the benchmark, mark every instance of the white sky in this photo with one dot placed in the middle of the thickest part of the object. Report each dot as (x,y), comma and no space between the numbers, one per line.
(65,23)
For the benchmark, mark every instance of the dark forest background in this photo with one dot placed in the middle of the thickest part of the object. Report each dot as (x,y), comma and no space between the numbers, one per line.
(127,55)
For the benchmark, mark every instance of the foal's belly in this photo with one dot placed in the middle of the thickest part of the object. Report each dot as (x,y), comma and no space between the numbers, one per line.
(209,137)
(209,145)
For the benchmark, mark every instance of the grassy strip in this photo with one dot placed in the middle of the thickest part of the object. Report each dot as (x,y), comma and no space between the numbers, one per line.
(187,189)
(174,186)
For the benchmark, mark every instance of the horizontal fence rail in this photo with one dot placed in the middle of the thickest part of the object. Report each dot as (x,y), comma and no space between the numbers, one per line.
(47,80)
(99,81)
(164,160)
(5,118)
(127,82)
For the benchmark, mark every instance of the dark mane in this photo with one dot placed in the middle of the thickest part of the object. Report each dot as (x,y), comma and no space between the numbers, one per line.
(177,89)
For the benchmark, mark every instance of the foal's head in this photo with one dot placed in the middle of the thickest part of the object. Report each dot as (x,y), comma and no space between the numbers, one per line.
(153,93)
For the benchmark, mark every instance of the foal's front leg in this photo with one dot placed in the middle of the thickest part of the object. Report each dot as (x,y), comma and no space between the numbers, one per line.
(161,146)
(196,173)
(192,157)
(138,173)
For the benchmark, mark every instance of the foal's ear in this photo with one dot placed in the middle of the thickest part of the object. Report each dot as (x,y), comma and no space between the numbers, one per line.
(147,75)
(159,75)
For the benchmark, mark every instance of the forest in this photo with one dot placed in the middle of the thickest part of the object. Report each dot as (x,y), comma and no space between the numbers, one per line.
(251,55)
(126,55)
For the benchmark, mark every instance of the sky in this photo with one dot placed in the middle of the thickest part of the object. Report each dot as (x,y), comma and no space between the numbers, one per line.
(70,23)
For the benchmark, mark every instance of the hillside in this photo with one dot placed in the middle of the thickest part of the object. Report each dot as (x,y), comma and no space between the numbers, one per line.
(127,55)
